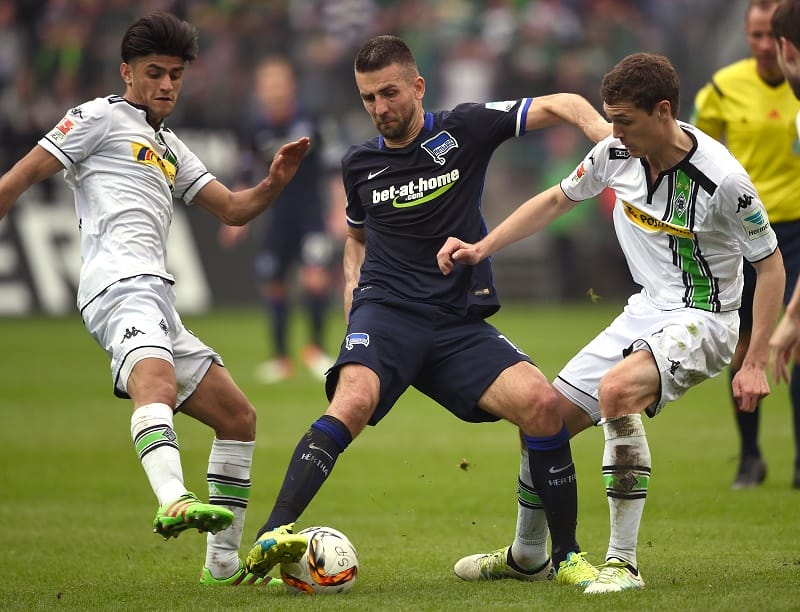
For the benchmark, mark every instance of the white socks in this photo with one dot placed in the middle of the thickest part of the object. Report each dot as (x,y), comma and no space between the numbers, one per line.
(228,486)
(626,472)
(157,447)
(529,549)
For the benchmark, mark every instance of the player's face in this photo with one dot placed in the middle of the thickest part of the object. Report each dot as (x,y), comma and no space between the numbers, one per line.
(642,133)
(154,81)
(762,42)
(789,61)
(393,98)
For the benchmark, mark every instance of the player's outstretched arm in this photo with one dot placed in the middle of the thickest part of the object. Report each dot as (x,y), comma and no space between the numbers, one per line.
(530,217)
(239,207)
(36,166)
(570,108)
(750,383)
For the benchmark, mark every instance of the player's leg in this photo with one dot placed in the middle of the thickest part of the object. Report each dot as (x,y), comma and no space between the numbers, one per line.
(752,470)
(132,320)
(789,241)
(220,404)
(362,386)
(628,388)
(682,349)
(497,380)
(271,267)
(315,257)
(312,462)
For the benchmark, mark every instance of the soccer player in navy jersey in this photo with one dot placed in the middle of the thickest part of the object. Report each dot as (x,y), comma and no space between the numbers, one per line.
(417,182)
(125,166)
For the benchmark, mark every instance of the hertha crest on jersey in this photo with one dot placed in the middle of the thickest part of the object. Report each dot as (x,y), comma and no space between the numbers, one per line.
(438,146)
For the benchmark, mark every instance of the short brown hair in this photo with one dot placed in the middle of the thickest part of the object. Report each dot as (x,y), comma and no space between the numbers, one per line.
(382,51)
(644,80)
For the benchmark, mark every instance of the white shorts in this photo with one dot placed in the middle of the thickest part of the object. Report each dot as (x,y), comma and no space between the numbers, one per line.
(689,346)
(135,318)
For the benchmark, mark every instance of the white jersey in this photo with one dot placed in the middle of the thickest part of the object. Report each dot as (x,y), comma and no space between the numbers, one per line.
(683,236)
(124,175)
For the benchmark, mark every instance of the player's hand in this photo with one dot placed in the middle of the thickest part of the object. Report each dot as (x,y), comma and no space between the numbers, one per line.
(455,250)
(750,386)
(287,160)
(782,344)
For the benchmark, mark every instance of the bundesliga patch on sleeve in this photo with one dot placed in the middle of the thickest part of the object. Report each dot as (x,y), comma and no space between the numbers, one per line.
(617,153)
(504,106)
(59,133)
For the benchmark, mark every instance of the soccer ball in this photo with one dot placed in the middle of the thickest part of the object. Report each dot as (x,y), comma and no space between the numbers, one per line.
(329,565)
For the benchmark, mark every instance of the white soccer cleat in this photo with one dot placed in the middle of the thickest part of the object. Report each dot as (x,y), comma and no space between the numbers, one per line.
(615,576)
(494,566)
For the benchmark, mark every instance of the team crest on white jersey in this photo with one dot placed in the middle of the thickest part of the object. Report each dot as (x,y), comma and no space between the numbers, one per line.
(145,155)
(438,146)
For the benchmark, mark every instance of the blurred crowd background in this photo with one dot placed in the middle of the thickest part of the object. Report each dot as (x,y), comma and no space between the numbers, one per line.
(55,54)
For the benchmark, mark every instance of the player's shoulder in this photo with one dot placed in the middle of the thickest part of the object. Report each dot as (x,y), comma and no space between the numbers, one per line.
(711,158)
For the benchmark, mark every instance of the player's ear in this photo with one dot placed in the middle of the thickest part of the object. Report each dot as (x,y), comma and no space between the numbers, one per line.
(419,87)
(126,73)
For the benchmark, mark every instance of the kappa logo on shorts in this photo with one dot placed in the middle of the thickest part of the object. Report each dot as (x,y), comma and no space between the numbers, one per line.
(356,338)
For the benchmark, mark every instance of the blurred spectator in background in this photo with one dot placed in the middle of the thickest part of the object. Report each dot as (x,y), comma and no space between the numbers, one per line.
(295,226)
(751,108)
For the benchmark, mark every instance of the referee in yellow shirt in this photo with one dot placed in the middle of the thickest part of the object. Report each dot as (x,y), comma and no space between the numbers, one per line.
(750,107)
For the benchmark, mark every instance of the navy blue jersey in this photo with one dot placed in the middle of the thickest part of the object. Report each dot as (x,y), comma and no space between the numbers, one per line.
(409,200)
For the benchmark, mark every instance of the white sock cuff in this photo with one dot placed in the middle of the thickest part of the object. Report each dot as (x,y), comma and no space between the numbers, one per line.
(625,426)
(151,414)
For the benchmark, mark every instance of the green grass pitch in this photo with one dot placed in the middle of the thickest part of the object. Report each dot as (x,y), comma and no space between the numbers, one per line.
(76,507)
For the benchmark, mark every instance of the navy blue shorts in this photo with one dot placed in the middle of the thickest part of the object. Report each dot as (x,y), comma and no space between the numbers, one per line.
(788,234)
(450,359)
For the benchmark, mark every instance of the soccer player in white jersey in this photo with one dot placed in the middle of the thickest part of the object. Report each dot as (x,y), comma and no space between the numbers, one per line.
(125,166)
(785,338)
(686,214)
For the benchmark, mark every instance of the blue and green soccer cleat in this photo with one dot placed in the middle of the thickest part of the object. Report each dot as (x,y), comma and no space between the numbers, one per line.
(273,547)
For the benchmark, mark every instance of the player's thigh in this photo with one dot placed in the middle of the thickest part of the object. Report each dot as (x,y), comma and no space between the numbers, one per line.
(132,320)
(466,358)
(390,341)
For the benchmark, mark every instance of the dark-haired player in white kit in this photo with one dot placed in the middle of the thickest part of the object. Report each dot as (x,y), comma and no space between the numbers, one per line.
(686,213)
(125,166)
(409,188)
